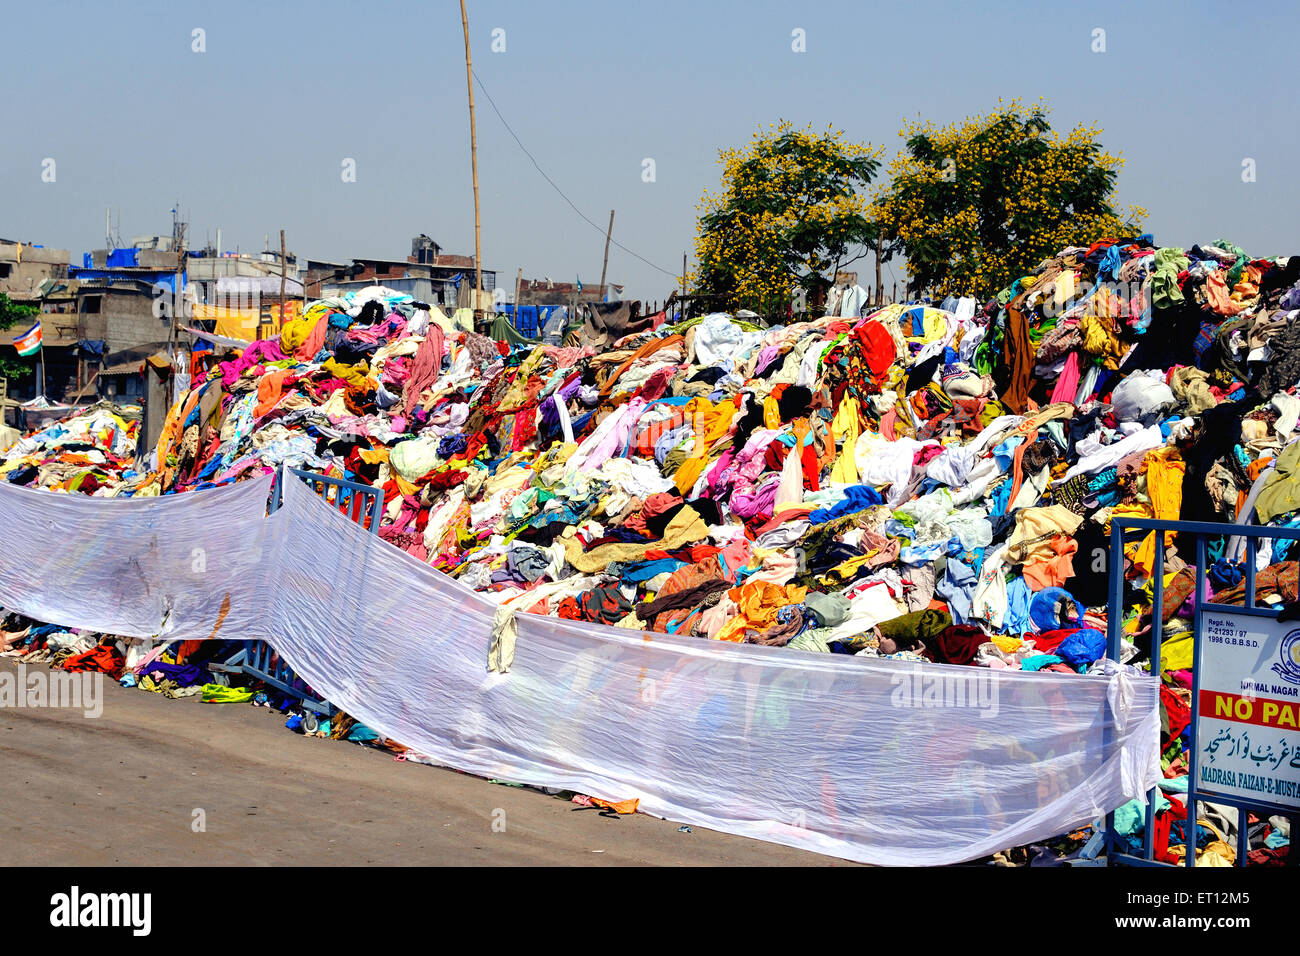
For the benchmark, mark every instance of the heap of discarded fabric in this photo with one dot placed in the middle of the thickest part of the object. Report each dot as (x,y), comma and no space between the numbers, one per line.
(89,452)
(918,482)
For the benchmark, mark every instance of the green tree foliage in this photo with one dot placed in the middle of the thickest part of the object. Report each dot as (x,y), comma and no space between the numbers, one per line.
(789,210)
(976,204)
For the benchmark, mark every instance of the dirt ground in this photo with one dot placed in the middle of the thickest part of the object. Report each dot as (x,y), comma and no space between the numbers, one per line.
(123,789)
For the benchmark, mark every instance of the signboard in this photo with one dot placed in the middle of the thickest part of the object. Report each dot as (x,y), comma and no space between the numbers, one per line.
(1248,726)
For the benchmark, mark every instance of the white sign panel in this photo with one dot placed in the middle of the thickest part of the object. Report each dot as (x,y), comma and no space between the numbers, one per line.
(1248,731)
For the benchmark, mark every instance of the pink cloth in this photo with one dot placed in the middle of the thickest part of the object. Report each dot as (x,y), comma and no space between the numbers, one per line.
(1068,382)
(754,501)
(314,342)
(426,366)
(266,350)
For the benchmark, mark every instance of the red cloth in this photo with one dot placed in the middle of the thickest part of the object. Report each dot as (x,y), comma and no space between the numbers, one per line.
(956,644)
(106,659)
(447,479)
(1177,714)
(1048,641)
(425,366)
(877,346)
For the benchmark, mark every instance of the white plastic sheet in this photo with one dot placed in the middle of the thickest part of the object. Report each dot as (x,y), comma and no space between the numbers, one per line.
(840,755)
(189,566)
(878,761)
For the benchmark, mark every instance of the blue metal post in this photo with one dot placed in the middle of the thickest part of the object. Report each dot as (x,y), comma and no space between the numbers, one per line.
(1114,628)
(1243,816)
(1114,633)
(1157,635)
(1190,835)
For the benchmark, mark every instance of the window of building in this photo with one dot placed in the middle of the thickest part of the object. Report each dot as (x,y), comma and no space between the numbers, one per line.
(381,269)
(91,303)
(5,269)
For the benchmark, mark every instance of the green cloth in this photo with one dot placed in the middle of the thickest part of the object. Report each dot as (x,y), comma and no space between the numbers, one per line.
(1281,493)
(1165,293)
(921,626)
(813,640)
(1238,267)
(503,331)
(219,694)
(1132,815)
(831,610)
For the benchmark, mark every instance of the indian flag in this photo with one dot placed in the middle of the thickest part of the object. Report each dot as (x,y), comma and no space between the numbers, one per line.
(29,343)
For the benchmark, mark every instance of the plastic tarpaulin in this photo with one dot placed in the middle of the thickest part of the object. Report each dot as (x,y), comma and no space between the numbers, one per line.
(872,760)
(233,322)
(187,566)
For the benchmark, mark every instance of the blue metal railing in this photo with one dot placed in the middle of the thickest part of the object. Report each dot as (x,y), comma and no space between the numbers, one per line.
(359,502)
(257,658)
(1202,530)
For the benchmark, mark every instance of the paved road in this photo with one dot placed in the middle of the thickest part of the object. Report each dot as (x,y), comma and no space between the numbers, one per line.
(123,788)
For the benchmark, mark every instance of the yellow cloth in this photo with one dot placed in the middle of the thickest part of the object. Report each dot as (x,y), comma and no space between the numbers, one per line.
(354,375)
(1099,337)
(295,333)
(686,527)
(771,413)
(844,432)
(1165,469)
(709,422)
(232,322)
(1035,528)
(934,325)
(1005,643)
(1176,652)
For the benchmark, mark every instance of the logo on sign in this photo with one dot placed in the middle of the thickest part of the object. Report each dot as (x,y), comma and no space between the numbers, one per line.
(1289,652)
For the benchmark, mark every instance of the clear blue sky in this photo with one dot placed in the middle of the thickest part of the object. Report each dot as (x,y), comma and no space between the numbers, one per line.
(251,134)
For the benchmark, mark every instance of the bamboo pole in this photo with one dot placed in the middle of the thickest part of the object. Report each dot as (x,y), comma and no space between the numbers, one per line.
(283,267)
(605,265)
(473,153)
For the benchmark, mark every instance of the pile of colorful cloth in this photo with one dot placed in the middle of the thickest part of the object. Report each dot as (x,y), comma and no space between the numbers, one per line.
(920,482)
(92,452)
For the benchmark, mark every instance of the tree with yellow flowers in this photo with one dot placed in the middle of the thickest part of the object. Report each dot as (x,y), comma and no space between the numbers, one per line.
(788,213)
(976,204)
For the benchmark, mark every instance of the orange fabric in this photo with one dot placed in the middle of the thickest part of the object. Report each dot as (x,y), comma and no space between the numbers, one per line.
(314,341)
(618,806)
(709,422)
(1017,472)
(1052,572)
(186,649)
(654,345)
(757,603)
(644,443)
(270,389)
(172,431)
(1253,471)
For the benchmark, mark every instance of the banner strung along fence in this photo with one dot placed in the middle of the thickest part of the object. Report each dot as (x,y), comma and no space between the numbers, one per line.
(871,760)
